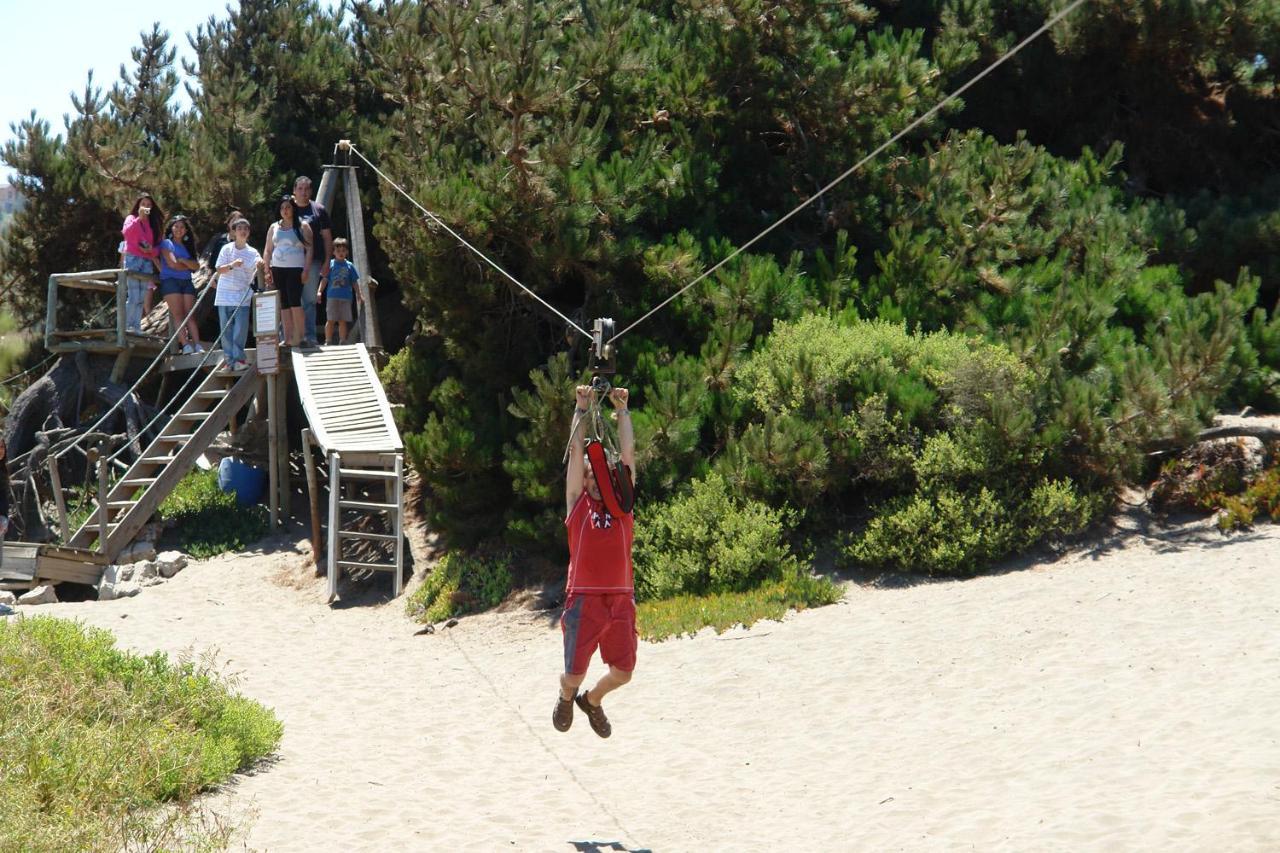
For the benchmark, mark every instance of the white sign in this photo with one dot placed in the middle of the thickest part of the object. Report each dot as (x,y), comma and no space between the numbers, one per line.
(266,314)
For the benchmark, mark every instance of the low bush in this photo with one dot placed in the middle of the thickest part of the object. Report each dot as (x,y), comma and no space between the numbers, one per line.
(685,615)
(94,739)
(206,521)
(461,583)
(956,532)
(710,540)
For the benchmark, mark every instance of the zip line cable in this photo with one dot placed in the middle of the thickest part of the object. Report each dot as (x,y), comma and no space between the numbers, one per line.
(17,376)
(739,250)
(462,240)
(855,167)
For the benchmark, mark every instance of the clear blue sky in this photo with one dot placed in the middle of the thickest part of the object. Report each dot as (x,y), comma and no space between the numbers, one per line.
(50,45)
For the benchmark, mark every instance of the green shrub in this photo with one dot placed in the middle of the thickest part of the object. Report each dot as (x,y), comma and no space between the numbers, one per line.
(955,532)
(459,584)
(93,739)
(206,520)
(687,614)
(710,540)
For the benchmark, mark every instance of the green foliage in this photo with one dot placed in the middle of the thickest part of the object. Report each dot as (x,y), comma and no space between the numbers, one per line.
(684,615)
(710,541)
(460,584)
(954,532)
(206,520)
(94,740)
(1038,285)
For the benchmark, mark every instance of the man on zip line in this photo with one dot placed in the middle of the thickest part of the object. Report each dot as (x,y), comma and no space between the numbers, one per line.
(600,606)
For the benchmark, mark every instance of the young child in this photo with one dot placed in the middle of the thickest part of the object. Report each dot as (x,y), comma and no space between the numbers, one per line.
(340,278)
(238,263)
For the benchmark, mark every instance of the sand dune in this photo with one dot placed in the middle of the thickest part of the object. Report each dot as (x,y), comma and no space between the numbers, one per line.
(1121,698)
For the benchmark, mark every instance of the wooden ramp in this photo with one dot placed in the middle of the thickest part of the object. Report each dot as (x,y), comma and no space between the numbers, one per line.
(351,422)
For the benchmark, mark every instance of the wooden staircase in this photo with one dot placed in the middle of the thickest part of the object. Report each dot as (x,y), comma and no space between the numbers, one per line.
(135,496)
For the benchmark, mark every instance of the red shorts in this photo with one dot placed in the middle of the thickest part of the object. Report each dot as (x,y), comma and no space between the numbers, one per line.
(607,622)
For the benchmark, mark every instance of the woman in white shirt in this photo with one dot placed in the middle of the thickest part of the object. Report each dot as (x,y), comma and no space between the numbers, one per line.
(287,255)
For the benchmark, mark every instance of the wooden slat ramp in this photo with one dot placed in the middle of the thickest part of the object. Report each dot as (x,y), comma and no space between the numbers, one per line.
(351,422)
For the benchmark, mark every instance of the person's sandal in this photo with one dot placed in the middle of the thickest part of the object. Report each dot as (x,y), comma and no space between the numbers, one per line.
(595,715)
(562,716)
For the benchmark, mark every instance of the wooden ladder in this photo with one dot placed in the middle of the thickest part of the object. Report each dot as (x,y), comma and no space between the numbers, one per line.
(135,496)
(393,480)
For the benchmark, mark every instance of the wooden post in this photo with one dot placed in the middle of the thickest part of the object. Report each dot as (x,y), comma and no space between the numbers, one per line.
(313,497)
(328,186)
(51,313)
(399,526)
(122,290)
(279,427)
(273,451)
(335,494)
(360,257)
(103,470)
(55,480)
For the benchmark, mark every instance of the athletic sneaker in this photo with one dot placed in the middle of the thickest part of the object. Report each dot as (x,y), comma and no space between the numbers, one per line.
(199,347)
(187,349)
(241,366)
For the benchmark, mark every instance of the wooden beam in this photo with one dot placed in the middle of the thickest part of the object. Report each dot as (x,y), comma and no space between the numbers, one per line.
(51,312)
(74,276)
(360,256)
(55,481)
(273,451)
(89,284)
(399,525)
(280,426)
(122,288)
(335,462)
(313,496)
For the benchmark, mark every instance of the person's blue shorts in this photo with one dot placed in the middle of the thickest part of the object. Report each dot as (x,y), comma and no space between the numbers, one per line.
(175,286)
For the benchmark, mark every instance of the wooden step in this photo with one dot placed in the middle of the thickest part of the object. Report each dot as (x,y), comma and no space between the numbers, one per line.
(140,481)
(365,474)
(211,395)
(120,504)
(175,438)
(360,534)
(381,567)
(191,416)
(157,460)
(370,507)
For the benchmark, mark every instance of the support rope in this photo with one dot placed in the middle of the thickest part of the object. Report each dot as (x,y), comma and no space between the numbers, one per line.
(463,241)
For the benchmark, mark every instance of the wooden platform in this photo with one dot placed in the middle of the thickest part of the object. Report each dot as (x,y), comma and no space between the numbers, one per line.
(29,564)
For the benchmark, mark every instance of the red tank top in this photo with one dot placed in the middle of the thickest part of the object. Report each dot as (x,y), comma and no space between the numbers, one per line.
(599,549)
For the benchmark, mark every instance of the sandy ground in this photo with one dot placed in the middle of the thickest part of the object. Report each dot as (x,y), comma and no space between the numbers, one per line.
(1123,697)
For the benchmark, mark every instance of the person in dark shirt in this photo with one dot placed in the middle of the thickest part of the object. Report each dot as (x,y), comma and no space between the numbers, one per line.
(4,490)
(215,244)
(312,213)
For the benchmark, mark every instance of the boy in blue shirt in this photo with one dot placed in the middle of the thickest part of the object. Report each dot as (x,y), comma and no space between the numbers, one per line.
(340,279)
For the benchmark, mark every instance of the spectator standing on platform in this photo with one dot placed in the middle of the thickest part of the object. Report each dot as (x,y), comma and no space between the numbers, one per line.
(341,282)
(217,241)
(238,262)
(313,213)
(177,261)
(141,232)
(287,256)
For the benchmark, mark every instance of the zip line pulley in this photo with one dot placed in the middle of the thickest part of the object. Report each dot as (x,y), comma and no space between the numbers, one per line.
(613,477)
